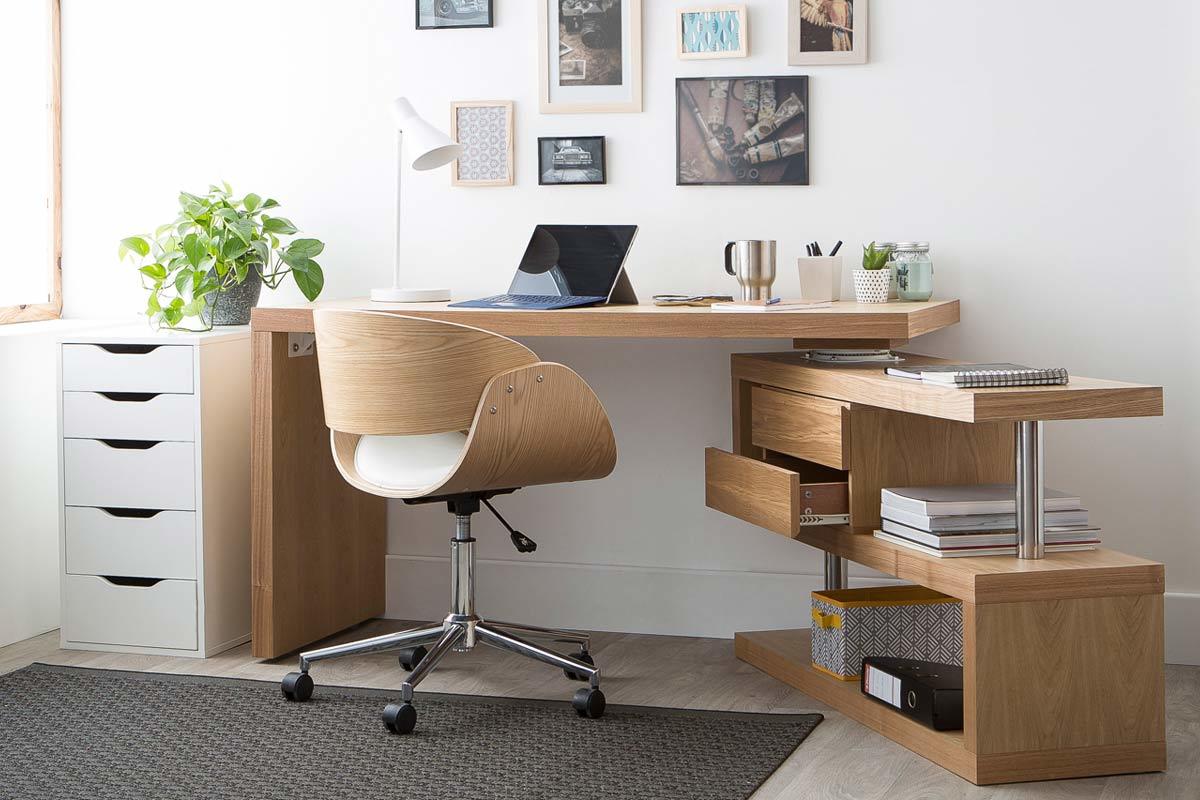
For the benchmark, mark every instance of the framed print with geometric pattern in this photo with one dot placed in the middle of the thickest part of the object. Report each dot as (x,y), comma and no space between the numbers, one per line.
(712,32)
(485,130)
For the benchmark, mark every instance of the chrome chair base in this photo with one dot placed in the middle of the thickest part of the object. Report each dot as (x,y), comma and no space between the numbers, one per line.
(460,631)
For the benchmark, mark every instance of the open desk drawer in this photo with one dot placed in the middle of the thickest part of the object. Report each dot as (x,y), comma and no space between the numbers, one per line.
(766,495)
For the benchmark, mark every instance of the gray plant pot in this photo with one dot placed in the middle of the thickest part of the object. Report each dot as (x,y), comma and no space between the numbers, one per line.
(233,307)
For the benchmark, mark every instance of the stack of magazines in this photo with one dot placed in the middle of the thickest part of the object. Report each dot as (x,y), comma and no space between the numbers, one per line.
(977,520)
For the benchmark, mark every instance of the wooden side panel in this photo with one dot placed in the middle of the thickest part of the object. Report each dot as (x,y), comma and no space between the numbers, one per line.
(1068,674)
(742,408)
(318,544)
(812,428)
(892,448)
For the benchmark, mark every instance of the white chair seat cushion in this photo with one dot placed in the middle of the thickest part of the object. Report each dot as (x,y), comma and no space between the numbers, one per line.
(408,462)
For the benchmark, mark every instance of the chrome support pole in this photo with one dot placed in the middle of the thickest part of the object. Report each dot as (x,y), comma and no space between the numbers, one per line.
(388,641)
(503,640)
(462,568)
(835,572)
(1031,497)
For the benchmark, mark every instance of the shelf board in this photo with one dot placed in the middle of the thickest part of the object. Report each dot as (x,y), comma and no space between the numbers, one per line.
(996,579)
(1082,398)
(787,656)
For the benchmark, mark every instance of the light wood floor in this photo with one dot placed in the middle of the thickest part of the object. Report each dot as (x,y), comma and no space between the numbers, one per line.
(841,759)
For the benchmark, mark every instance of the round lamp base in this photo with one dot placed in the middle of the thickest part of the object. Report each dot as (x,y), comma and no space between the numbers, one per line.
(395,294)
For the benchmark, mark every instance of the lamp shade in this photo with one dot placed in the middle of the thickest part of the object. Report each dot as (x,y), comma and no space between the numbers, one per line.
(426,146)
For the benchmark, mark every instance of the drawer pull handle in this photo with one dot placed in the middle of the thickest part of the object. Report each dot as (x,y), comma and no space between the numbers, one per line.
(136,513)
(129,397)
(143,583)
(129,444)
(129,349)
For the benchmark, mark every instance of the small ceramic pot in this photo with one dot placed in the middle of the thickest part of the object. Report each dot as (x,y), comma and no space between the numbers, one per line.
(871,285)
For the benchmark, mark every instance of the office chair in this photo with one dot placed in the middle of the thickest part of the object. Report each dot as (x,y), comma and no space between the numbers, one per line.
(429,411)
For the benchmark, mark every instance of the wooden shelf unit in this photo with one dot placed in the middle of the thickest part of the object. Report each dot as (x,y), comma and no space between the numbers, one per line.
(1062,656)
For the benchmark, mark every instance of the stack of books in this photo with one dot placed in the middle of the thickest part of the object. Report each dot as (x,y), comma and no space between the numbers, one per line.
(980,520)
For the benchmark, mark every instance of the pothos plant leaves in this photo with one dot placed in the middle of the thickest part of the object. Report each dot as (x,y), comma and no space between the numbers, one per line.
(215,243)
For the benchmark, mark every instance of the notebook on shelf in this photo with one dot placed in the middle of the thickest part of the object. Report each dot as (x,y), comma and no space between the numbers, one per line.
(987,498)
(752,306)
(981,376)
(993,538)
(963,552)
(977,522)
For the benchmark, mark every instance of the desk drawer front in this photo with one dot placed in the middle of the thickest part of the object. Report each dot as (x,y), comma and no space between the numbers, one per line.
(99,611)
(813,428)
(100,542)
(162,476)
(766,495)
(127,368)
(116,415)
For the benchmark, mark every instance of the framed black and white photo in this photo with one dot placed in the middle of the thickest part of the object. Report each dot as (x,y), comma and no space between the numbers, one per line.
(485,130)
(440,14)
(827,32)
(571,160)
(749,131)
(589,56)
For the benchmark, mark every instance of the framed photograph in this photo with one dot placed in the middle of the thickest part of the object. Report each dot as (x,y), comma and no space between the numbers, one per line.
(589,56)
(712,32)
(485,130)
(571,159)
(741,131)
(827,32)
(435,15)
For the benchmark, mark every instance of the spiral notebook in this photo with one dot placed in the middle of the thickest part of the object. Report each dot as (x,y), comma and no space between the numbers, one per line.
(978,376)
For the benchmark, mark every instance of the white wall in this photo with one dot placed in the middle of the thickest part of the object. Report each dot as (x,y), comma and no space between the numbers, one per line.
(1048,153)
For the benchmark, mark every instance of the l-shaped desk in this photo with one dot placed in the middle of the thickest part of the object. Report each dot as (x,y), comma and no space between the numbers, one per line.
(1063,655)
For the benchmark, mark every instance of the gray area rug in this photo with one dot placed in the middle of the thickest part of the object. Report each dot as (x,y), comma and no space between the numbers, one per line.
(68,732)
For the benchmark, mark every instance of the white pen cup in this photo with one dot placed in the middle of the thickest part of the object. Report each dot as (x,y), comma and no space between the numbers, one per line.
(820,278)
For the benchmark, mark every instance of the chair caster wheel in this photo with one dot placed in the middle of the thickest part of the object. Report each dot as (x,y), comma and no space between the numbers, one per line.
(410,657)
(589,703)
(297,686)
(400,717)
(585,657)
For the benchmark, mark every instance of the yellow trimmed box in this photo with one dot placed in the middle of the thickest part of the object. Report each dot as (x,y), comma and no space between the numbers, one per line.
(890,621)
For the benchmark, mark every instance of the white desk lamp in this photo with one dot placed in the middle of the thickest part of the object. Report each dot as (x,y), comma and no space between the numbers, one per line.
(428,148)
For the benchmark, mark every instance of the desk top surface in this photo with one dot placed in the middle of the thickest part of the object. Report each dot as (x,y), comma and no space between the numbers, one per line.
(844,320)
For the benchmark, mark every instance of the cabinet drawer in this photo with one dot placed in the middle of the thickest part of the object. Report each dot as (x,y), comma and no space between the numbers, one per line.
(125,415)
(813,428)
(99,611)
(162,476)
(766,495)
(129,543)
(127,368)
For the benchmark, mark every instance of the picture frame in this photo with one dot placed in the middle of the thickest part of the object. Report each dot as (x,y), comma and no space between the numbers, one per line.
(814,39)
(742,131)
(485,129)
(592,68)
(714,31)
(571,161)
(453,14)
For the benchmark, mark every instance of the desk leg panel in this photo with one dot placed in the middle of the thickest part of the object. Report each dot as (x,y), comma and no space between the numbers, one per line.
(318,544)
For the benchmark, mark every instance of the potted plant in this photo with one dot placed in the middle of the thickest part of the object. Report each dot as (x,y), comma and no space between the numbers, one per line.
(872,281)
(211,263)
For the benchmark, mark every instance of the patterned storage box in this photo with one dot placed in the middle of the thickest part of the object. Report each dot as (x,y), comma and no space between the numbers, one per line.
(890,621)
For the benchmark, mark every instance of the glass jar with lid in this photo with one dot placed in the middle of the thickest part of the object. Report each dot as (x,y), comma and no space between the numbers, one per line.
(914,270)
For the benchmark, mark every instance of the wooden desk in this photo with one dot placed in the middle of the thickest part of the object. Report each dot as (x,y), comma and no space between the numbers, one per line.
(318,545)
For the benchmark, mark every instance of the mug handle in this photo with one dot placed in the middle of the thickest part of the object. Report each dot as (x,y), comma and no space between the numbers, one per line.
(728,260)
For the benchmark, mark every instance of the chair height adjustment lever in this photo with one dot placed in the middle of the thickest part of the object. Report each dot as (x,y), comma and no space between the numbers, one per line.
(520,541)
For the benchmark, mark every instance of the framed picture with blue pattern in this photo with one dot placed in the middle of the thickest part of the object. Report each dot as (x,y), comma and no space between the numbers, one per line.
(720,31)
(485,130)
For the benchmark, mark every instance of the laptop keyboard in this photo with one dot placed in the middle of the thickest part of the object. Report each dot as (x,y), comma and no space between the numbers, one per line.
(532,301)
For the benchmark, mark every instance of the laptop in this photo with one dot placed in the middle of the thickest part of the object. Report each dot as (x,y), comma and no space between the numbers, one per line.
(566,266)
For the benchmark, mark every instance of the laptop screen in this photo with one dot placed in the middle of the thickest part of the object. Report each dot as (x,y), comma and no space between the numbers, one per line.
(573,260)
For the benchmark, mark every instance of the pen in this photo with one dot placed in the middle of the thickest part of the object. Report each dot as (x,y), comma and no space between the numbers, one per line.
(773,301)
(836,247)
(808,249)
(816,249)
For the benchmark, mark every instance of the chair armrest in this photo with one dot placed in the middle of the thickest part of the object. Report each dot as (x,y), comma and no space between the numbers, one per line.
(535,424)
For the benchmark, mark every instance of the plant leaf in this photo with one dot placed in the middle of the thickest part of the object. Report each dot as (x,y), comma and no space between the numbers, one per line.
(195,248)
(133,244)
(233,248)
(278,225)
(311,279)
(154,271)
(251,202)
(306,248)
(269,203)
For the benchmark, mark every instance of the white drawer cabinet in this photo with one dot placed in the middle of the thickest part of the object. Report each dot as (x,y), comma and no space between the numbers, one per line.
(154,481)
